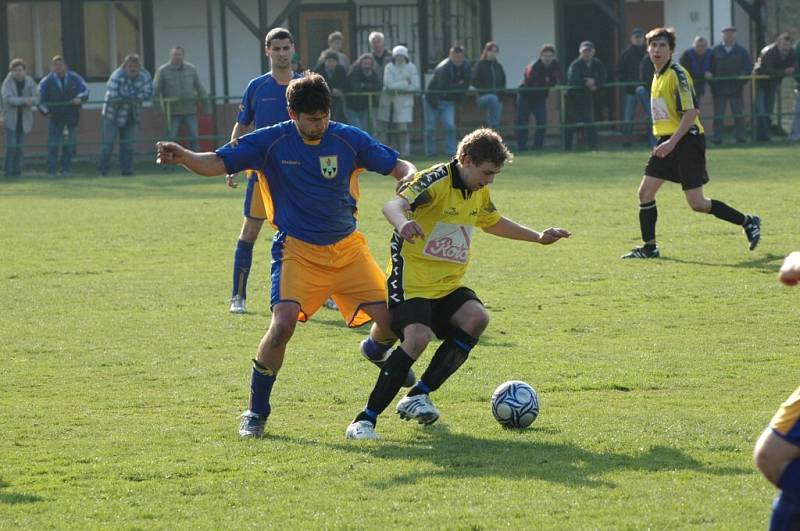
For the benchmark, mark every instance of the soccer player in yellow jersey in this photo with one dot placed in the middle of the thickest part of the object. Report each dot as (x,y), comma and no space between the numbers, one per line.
(777,452)
(433,218)
(680,153)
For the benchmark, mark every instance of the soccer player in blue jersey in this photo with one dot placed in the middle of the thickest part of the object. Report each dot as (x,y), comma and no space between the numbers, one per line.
(308,177)
(263,104)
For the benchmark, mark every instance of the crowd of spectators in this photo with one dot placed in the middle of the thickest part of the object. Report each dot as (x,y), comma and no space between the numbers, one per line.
(379,90)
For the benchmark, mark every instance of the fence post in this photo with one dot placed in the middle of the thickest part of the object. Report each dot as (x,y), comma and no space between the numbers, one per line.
(753,111)
(562,115)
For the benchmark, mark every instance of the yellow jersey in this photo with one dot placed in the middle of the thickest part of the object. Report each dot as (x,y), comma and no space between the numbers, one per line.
(671,94)
(447,211)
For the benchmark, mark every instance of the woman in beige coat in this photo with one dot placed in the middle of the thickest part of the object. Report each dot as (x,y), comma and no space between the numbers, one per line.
(20,95)
(396,109)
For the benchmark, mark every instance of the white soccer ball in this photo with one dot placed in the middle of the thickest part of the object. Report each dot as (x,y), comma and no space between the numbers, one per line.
(515,404)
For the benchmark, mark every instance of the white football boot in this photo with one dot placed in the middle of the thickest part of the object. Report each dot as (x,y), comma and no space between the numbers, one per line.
(419,408)
(363,429)
(237,304)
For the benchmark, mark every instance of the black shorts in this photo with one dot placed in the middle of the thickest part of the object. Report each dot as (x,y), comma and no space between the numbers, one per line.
(433,313)
(686,164)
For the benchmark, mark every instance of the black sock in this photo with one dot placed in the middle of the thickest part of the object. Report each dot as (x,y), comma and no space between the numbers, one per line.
(391,378)
(648,215)
(450,355)
(723,211)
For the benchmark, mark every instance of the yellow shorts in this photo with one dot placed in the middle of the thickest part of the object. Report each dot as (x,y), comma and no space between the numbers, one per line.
(253,199)
(308,274)
(786,422)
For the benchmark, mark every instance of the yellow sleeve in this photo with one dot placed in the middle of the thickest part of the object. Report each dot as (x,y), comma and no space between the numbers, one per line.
(488,214)
(684,92)
(422,190)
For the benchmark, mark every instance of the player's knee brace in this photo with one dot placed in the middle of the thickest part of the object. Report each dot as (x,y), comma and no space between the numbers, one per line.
(450,355)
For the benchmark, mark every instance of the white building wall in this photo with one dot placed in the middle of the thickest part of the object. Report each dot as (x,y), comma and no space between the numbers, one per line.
(722,17)
(520,27)
(690,19)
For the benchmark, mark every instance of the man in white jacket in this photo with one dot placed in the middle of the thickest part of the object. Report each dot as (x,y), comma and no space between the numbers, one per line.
(20,96)
(396,110)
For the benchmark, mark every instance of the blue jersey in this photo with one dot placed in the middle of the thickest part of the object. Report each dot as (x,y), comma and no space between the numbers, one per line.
(310,189)
(264,101)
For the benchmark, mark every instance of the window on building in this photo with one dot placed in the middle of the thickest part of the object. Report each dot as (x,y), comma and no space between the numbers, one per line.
(112,30)
(453,22)
(35,34)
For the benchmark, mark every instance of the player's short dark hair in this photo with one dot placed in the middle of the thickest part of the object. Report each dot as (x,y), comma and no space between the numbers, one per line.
(547,48)
(484,145)
(278,33)
(15,63)
(57,58)
(662,33)
(309,94)
(330,54)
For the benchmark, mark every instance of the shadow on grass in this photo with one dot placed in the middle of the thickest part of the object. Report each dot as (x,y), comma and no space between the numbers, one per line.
(13,498)
(769,263)
(457,456)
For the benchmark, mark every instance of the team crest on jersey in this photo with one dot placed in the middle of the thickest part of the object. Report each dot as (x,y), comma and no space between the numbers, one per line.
(449,242)
(329,166)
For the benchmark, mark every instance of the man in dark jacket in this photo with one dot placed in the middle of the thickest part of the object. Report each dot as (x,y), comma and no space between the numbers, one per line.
(489,78)
(697,61)
(363,78)
(336,77)
(729,59)
(584,76)
(795,134)
(62,93)
(776,60)
(627,71)
(450,82)
(646,73)
(536,81)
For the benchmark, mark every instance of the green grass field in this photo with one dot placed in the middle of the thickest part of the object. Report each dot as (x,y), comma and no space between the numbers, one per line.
(122,373)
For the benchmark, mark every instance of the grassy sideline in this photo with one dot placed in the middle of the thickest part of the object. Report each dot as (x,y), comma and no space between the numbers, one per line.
(122,373)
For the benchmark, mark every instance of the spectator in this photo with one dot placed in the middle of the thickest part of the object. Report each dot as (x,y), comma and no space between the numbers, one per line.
(795,134)
(336,77)
(296,66)
(449,83)
(646,73)
(62,93)
(128,87)
(396,111)
(627,71)
(178,82)
(697,61)
(584,76)
(729,59)
(20,95)
(776,60)
(363,78)
(335,44)
(489,78)
(537,78)
(380,54)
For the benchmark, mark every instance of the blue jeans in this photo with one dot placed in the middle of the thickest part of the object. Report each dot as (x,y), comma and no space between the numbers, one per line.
(360,119)
(580,115)
(643,95)
(55,140)
(446,111)
(525,107)
(493,107)
(795,134)
(14,143)
(765,103)
(191,125)
(127,137)
(737,108)
(629,102)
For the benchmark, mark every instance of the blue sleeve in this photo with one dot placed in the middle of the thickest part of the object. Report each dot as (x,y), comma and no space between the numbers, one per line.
(246,114)
(374,156)
(247,152)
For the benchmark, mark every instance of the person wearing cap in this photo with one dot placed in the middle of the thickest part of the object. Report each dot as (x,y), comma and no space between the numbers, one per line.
(627,71)
(776,60)
(697,60)
(729,59)
(537,78)
(446,89)
(584,76)
(396,107)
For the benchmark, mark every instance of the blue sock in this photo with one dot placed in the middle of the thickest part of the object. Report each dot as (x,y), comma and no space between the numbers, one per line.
(785,513)
(261,383)
(242,260)
(376,349)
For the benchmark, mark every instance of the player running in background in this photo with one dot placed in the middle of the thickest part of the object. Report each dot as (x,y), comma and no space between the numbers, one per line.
(308,176)
(434,217)
(777,452)
(263,104)
(680,154)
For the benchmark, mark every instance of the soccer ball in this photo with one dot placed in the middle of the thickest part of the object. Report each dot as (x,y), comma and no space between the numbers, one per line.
(515,404)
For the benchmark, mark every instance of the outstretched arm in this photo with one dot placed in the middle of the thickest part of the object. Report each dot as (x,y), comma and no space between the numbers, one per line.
(208,164)
(505,228)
